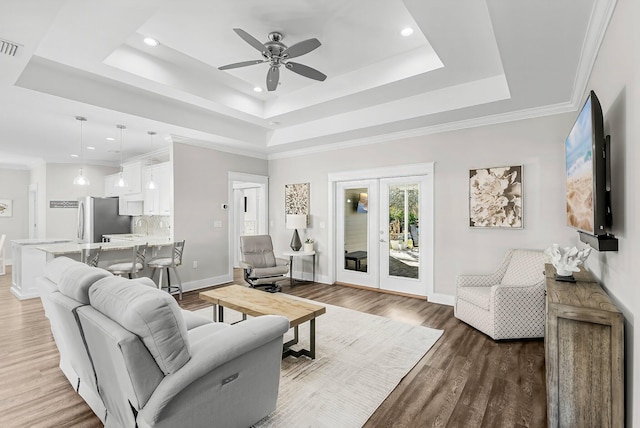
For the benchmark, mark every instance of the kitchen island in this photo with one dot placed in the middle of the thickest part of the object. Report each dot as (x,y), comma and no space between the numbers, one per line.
(28,264)
(31,255)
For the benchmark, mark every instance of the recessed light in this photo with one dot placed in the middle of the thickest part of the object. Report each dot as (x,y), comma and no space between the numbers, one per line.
(150,41)
(90,148)
(110,139)
(406,32)
(257,89)
(74,156)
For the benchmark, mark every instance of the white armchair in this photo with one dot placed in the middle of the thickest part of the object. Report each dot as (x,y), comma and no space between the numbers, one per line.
(509,303)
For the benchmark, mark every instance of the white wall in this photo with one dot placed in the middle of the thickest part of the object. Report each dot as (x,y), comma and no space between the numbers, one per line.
(14,185)
(615,81)
(200,188)
(61,222)
(537,144)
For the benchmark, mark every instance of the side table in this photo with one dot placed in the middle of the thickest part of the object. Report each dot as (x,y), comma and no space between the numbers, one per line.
(292,254)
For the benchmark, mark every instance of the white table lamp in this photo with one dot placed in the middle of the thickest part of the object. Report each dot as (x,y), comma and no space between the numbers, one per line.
(296,221)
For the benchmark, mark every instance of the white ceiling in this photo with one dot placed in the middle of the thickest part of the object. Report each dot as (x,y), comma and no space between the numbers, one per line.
(468,62)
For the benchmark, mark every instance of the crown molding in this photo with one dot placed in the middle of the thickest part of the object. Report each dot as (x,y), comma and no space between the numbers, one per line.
(596,31)
(436,129)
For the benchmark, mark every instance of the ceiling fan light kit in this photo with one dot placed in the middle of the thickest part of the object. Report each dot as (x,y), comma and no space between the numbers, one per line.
(277,54)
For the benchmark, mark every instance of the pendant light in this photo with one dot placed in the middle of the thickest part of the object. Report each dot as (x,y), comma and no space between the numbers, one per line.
(151,185)
(121,181)
(80,179)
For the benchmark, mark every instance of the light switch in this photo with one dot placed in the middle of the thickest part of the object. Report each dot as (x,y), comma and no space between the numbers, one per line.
(217,223)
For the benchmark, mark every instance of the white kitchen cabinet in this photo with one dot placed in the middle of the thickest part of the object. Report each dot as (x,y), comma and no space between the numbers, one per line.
(131,204)
(110,188)
(133,175)
(158,201)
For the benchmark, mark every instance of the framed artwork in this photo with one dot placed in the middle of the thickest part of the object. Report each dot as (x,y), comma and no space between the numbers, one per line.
(296,198)
(6,208)
(495,197)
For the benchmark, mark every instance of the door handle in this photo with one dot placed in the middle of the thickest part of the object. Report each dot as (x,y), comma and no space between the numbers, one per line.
(382,240)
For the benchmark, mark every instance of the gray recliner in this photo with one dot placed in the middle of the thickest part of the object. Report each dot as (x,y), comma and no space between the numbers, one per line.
(152,371)
(261,267)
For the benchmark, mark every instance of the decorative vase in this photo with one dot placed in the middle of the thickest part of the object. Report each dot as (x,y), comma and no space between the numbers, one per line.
(566,260)
(308,246)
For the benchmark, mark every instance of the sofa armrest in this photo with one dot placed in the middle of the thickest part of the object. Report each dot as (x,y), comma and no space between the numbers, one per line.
(510,297)
(207,355)
(245,265)
(518,307)
(281,262)
(477,280)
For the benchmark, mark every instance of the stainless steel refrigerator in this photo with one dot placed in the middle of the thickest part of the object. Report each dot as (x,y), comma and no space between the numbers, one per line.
(99,216)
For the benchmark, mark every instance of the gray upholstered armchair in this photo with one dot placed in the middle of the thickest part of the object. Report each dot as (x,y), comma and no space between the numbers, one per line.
(509,303)
(152,371)
(261,266)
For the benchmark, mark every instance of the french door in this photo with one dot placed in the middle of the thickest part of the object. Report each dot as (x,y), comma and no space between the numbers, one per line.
(378,239)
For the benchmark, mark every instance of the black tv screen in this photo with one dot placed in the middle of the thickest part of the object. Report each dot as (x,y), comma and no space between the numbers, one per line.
(587,201)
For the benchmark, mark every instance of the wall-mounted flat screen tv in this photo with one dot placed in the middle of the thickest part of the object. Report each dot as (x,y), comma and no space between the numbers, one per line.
(588,208)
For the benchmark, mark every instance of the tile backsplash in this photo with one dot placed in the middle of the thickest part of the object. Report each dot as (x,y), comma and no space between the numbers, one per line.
(152,225)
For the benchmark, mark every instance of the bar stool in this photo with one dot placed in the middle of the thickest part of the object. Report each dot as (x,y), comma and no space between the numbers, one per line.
(134,266)
(91,257)
(167,263)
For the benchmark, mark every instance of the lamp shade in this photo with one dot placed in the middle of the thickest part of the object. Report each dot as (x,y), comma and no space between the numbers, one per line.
(296,221)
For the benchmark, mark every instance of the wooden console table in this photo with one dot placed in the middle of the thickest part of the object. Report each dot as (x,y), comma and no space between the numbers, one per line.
(584,354)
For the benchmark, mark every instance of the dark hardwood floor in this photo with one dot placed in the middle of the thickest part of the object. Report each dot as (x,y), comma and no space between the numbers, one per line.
(465,380)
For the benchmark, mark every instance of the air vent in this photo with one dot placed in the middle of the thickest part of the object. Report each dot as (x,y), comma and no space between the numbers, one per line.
(8,48)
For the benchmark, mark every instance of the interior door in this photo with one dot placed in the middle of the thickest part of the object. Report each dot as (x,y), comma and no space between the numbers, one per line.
(357,237)
(403,253)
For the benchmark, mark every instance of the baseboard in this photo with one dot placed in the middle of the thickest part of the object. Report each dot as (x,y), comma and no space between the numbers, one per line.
(206,282)
(442,299)
(380,290)
(23,296)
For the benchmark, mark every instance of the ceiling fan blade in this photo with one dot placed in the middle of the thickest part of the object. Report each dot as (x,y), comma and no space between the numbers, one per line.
(306,71)
(272,78)
(301,48)
(250,39)
(241,64)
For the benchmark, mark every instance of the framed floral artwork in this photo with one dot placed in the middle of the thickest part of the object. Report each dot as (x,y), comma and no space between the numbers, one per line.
(6,207)
(495,197)
(296,198)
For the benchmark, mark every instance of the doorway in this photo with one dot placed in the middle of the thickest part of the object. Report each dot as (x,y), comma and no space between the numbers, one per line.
(383,229)
(248,210)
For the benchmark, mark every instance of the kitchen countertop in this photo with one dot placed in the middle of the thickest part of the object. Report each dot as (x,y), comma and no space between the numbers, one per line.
(40,241)
(74,248)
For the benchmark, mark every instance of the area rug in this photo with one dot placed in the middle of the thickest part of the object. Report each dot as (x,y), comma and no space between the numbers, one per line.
(360,359)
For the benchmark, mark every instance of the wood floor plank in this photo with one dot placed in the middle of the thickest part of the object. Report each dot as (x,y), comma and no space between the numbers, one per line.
(465,380)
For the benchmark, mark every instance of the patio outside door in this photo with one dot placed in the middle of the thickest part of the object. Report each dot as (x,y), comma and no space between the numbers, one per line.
(378,240)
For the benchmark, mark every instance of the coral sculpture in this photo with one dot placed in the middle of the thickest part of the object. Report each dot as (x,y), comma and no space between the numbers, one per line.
(568,259)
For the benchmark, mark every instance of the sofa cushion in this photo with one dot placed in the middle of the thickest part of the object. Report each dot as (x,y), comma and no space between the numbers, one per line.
(145,280)
(54,269)
(76,280)
(526,267)
(193,320)
(269,271)
(153,315)
(478,296)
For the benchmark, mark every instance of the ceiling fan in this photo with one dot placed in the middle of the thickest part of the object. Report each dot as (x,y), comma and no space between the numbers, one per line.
(276,54)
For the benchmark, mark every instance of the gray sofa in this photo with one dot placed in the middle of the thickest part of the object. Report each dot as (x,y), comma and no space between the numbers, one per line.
(137,359)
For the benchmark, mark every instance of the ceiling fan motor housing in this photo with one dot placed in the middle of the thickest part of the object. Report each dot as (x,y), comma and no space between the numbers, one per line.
(275,46)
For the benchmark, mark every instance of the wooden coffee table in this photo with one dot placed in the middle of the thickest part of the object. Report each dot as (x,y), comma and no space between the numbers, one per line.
(250,301)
